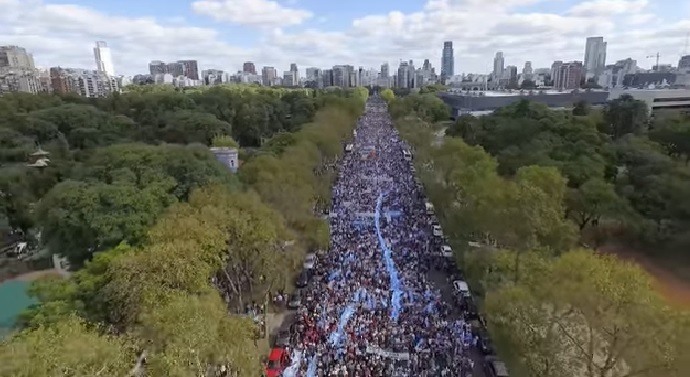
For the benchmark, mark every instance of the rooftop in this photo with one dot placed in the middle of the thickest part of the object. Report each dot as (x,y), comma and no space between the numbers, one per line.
(508,93)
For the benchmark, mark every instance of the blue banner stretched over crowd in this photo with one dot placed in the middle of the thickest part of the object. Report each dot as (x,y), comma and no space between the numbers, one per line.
(311,369)
(396,286)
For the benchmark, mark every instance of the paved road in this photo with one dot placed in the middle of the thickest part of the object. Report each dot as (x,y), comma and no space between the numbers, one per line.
(374,307)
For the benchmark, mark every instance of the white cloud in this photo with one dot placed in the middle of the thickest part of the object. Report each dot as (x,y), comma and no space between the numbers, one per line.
(64,35)
(603,7)
(264,13)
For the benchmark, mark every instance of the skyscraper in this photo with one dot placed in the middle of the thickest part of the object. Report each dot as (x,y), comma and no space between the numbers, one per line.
(595,56)
(157,67)
(191,69)
(104,61)
(447,60)
(385,70)
(499,65)
(175,69)
(248,67)
(15,57)
(268,76)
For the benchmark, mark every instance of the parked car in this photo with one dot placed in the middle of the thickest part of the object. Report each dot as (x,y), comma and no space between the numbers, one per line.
(303,279)
(295,300)
(494,367)
(310,261)
(446,251)
(436,230)
(278,360)
(461,288)
(484,344)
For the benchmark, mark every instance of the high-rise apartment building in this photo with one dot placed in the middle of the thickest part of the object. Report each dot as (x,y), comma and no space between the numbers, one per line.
(157,67)
(499,65)
(684,62)
(191,68)
(248,67)
(527,69)
(403,75)
(16,57)
(595,56)
(175,69)
(447,60)
(104,59)
(385,70)
(268,75)
(569,76)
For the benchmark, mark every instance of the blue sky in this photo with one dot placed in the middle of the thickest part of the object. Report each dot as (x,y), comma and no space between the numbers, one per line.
(225,33)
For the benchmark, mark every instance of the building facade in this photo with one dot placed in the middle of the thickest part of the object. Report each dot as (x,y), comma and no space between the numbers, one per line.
(499,65)
(248,67)
(268,76)
(569,76)
(104,59)
(447,60)
(191,68)
(595,57)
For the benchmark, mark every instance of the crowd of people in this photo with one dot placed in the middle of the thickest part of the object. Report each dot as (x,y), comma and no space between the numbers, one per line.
(371,308)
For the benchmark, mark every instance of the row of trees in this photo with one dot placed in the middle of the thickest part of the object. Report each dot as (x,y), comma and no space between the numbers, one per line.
(552,311)
(165,290)
(131,155)
(624,173)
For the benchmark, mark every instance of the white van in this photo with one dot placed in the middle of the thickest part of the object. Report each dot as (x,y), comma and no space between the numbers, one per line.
(349,148)
(446,251)
(429,208)
(407,155)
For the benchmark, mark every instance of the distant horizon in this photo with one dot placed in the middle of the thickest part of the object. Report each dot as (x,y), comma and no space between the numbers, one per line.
(223,34)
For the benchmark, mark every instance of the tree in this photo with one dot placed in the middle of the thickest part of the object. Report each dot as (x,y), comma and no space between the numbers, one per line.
(581,108)
(594,199)
(387,95)
(589,315)
(79,218)
(625,115)
(67,348)
(675,136)
(193,335)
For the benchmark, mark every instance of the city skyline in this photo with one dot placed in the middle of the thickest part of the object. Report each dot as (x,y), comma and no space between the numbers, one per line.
(224,34)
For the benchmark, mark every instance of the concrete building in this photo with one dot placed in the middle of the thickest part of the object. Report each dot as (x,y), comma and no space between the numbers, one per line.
(16,57)
(268,76)
(595,57)
(478,101)
(327,78)
(227,156)
(404,79)
(289,78)
(385,70)
(191,68)
(84,82)
(157,67)
(175,69)
(568,76)
(499,65)
(341,76)
(613,74)
(659,101)
(527,70)
(684,63)
(447,60)
(248,67)
(104,59)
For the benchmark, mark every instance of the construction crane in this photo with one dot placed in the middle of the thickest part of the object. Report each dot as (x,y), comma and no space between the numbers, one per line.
(657,60)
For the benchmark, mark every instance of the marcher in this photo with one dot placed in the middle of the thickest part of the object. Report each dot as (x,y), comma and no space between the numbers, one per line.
(374,310)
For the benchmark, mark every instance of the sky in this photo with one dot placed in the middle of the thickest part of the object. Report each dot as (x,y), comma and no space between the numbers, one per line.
(223,34)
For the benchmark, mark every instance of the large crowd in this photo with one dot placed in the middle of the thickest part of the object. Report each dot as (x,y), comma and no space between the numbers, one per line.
(371,308)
